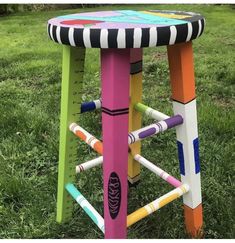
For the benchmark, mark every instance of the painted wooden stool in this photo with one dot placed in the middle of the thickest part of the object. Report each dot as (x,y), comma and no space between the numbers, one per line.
(121,35)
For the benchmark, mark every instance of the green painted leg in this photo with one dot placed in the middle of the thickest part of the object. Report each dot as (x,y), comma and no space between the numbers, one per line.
(72,76)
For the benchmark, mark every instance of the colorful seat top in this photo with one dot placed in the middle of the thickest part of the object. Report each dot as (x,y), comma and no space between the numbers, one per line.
(125,28)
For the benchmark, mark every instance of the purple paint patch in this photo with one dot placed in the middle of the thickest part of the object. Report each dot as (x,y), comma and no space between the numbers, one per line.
(147,133)
(174,121)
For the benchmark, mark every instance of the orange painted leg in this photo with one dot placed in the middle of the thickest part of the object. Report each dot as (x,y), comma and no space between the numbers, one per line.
(193,220)
(180,58)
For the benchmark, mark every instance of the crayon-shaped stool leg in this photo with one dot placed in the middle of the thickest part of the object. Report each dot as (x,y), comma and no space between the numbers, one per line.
(180,57)
(134,115)
(72,76)
(115,75)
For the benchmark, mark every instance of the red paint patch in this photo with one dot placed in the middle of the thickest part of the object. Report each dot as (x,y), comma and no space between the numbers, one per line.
(80,22)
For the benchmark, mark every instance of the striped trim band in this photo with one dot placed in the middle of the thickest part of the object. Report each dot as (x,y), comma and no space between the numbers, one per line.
(126,38)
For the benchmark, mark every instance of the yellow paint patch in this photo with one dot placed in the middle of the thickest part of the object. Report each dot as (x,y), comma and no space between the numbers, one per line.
(165,15)
(136,216)
(169,199)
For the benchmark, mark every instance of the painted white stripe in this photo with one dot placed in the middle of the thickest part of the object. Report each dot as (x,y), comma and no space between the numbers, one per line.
(104,38)
(86,38)
(173,31)
(58,34)
(190,31)
(152,36)
(137,37)
(93,142)
(97,104)
(51,32)
(121,38)
(149,210)
(71,37)
(199,27)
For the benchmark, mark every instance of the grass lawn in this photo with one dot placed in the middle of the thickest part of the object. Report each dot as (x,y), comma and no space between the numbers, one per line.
(30,76)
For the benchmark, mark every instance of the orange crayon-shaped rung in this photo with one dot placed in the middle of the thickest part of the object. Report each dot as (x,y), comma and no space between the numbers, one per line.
(87,137)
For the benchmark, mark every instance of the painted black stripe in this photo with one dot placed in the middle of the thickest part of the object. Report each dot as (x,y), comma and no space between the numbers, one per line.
(183,102)
(64,35)
(115,114)
(48,30)
(163,35)
(78,37)
(95,37)
(145,37)
(195,26)
(116,110)
(136,67)
(182,32)
(112,38)
(132,137)
(203,25)
(129,38)
(54,33)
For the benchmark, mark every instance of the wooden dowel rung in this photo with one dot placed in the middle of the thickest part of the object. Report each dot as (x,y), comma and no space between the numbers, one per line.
(89,164)
(157,115)
(158,171)
(86,206)
(157,204)
(90,106)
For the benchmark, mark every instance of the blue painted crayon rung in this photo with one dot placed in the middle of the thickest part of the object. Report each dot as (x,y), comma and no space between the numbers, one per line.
(90,106)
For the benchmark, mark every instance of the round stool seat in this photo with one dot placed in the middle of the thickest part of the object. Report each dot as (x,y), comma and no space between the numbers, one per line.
(125,28)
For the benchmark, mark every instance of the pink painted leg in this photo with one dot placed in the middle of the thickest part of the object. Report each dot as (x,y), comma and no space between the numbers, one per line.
(115,75)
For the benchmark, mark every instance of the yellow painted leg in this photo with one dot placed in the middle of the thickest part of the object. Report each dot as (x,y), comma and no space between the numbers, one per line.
(135,116)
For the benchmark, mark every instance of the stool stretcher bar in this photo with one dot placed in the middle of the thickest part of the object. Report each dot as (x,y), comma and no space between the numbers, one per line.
(154,128)
(90,106)
(158,171)
(87,137)
(86,206)
(157,204)
(132,137)
(157,115)
(89,164)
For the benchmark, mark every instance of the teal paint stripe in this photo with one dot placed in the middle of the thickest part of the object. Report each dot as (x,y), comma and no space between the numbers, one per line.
(72,190)
(91,215)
